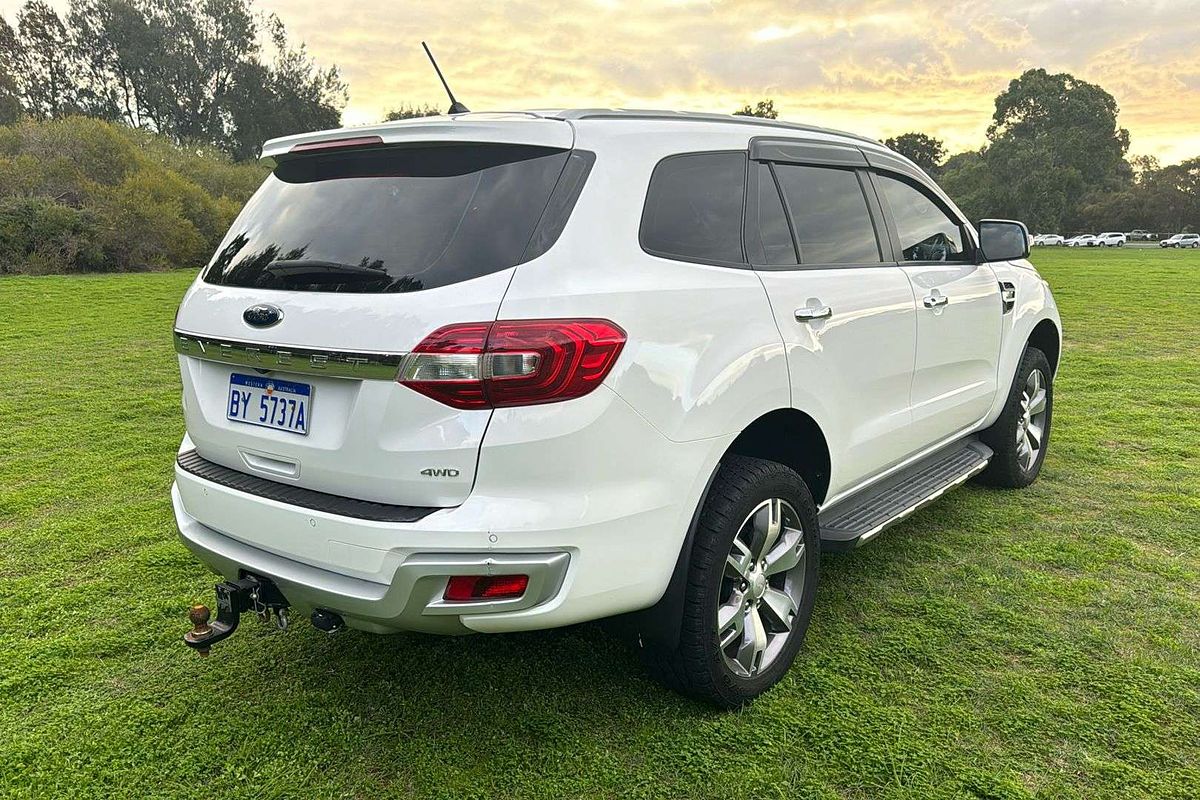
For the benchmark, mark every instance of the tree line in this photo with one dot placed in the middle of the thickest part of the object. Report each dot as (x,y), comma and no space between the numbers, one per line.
(1056,159)
(192,70)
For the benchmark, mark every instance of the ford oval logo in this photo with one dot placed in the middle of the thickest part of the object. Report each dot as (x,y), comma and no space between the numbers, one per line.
(263,315)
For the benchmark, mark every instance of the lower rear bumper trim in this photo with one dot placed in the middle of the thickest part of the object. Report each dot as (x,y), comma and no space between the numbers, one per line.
(195,464)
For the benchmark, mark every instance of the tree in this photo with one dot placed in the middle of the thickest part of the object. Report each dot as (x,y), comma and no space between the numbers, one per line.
(191,69)
(45,71)
(924,151)
(10,91)
(763,108)
(966,178)
(1054,147)
(1142,166)
(1029,184)
(405,111)
(1170,197)
(1074,121)
(288,96)
(185,82)
(113,45)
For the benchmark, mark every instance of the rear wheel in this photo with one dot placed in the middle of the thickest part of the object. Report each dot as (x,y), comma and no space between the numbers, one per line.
(1020,436)
(751,583)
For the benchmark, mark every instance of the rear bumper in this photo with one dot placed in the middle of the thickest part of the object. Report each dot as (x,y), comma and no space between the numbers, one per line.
(411,601)
(590,502)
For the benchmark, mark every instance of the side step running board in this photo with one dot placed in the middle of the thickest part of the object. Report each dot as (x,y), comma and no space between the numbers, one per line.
(861,517)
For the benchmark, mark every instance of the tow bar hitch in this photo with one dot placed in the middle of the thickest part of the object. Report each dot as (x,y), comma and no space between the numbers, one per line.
(234,598)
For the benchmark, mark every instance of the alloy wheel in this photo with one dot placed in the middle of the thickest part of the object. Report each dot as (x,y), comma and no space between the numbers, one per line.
(1031,425)
(761,587)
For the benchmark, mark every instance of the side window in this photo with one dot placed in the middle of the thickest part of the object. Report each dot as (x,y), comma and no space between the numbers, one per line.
(694,208)
(829,215)
(768,237)
(927,233)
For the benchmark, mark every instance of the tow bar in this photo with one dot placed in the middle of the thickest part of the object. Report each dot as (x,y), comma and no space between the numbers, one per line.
(234,598)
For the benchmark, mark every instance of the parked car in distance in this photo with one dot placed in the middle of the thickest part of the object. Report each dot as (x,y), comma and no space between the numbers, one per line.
(1190,240)
(1111,239)
(507,372)
(1139,235)
(1083,240)
(1048,240)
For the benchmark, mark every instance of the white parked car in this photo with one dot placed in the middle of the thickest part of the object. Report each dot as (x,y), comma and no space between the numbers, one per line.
(503,372)
(1048,240)
(1190,240)
(1110,239)
(1086,240)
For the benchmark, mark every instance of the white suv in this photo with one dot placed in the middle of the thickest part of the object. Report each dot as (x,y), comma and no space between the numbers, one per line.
(1182,240)
(502,372)
(1111,239)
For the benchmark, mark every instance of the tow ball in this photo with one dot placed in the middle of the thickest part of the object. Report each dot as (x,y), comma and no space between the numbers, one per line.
(234,598)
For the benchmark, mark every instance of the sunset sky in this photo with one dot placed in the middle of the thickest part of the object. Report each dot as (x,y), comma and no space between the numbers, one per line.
(874,67)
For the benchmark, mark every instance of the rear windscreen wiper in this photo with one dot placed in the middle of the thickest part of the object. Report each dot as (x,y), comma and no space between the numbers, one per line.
(315,271)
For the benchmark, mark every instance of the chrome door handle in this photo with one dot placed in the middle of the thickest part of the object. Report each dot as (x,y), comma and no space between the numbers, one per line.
(808,314)
(935,300)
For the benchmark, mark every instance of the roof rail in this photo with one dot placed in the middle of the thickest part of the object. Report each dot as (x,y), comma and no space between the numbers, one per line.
(698,116)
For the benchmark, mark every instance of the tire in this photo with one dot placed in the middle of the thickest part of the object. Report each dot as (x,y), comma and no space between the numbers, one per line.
(1017,462)
(746,496)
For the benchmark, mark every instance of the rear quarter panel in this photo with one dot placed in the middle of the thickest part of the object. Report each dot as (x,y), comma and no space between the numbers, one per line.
(704,357)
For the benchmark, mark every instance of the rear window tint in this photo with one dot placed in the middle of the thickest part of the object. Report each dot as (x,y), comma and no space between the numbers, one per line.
(829,215)
(389,220)
(694,208)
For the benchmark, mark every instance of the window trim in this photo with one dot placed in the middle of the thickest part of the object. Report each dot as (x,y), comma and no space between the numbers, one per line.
(882,237)
(744,263)
(753,173)
(971,257)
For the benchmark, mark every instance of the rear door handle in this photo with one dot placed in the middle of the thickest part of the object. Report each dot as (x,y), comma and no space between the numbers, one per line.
(935,300)
(810,313)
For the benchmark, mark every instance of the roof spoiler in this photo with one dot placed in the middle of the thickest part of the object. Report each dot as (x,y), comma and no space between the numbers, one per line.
(506,128)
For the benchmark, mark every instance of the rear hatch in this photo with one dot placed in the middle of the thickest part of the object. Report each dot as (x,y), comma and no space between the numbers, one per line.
(351,253)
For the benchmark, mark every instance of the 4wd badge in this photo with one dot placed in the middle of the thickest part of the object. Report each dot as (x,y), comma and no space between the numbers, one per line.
(440,472)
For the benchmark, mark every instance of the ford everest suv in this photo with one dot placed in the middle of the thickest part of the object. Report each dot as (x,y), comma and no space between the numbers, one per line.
(503,372)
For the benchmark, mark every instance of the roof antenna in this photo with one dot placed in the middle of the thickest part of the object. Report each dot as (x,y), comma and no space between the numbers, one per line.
(455,106)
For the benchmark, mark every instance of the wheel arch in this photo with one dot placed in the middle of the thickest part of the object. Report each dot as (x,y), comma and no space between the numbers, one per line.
(792,438)
(1045,336)
(785,435)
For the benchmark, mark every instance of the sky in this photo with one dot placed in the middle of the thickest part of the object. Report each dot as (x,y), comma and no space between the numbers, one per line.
(872,67)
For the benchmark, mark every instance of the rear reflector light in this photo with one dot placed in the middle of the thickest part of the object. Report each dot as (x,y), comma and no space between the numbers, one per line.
(485,587)
(513,363)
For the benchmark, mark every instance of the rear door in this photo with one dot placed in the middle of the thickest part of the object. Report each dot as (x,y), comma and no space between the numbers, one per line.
(844,308)
(344,261)
(959,310)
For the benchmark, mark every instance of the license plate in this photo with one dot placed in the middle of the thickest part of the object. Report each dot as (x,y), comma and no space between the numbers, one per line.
(269,403)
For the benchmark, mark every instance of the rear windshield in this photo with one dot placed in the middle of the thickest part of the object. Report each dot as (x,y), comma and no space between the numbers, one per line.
(389,220)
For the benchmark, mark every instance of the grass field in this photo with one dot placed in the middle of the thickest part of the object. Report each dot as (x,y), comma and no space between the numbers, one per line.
(1043,643)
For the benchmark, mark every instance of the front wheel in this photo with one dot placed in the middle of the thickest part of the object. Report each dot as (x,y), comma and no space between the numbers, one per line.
(751,583)
(1020,436)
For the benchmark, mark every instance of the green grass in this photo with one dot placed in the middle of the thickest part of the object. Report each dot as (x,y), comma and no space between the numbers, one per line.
(1043,643)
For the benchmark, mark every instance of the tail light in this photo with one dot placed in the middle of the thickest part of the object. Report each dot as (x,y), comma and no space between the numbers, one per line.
(513,363)
(464,588)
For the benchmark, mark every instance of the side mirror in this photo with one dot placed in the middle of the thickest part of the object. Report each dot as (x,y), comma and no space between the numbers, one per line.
(1003,239)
